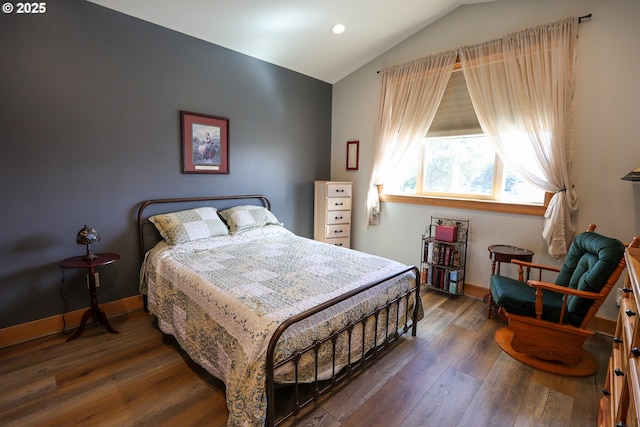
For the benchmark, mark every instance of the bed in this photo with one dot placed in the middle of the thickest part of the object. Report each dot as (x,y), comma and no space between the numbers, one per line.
(263,309)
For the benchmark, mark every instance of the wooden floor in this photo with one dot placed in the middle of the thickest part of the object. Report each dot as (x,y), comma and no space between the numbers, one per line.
(451,374)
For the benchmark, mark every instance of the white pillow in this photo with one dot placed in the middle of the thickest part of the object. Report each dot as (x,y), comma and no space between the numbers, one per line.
(188,225)
(244,217)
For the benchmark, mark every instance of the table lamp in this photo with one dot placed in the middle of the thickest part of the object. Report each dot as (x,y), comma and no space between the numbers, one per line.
(86,236)
(634,175)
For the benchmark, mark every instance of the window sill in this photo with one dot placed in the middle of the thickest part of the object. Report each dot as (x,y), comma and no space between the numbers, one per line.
(482,205)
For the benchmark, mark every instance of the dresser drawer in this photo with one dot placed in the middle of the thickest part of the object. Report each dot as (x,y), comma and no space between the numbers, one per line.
(339,241)
(338,217)
(338,230)
(338,203)
(616,373)
(627,320)
(634,392)
(339,190)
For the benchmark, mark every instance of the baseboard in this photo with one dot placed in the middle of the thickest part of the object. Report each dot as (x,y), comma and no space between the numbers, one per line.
(603,326)
(53,325)
(475,291)
(598,324)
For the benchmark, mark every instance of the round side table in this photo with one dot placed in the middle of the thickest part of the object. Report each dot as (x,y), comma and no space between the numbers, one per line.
(94,311)
(504,253)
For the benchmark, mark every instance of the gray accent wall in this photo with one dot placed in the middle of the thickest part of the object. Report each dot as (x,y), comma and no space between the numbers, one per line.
(90,127)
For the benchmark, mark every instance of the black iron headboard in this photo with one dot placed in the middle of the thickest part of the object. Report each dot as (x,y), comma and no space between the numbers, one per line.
(144,220)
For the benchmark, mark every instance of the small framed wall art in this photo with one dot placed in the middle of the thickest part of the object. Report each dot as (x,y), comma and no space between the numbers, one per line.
(205,143)
(353,155)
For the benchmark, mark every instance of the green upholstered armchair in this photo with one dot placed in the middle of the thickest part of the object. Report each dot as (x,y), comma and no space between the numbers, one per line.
(547,321)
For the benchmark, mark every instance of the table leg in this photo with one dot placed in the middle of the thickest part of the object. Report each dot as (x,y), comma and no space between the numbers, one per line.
(105,321)
(95,312)
(83,322)
(489,298)
(98,315)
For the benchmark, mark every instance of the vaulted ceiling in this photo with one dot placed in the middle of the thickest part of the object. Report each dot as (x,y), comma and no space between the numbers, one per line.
(295,34)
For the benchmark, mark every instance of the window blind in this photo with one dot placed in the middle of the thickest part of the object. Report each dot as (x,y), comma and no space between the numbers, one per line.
(455,116)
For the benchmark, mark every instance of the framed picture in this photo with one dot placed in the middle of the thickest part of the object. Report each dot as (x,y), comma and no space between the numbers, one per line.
(353,154)
(205,143)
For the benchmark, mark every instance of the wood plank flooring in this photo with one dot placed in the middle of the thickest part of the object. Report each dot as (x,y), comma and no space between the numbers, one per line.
(451,374)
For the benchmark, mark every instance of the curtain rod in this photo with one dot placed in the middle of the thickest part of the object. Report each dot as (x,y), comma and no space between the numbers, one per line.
(588,16)
(580,18)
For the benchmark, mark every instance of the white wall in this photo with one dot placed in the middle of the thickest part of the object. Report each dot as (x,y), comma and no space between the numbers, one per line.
(606,113)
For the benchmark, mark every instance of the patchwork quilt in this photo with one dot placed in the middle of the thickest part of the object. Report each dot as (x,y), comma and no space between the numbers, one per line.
(223,297)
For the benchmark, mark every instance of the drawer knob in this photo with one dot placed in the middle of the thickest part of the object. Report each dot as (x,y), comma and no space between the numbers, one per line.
(339,217)
(627,290)
(339,190)
(338,244)
(339,204)
(338,231)
(618,372)
(630,312)
(606,392)
(635,351)
(617,340)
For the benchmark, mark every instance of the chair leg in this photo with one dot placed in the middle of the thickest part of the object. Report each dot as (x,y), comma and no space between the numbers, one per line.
(488,300)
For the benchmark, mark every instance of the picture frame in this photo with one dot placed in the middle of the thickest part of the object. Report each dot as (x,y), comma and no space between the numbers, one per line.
(205,143)
(353,155)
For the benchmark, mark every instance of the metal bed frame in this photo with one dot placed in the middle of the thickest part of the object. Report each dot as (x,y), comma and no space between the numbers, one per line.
(319,387)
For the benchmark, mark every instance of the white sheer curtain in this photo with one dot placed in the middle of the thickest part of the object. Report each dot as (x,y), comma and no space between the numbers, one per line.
(521,87)
(409,98)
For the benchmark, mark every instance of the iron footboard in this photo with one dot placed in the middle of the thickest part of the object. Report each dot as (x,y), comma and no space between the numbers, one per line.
(321,387)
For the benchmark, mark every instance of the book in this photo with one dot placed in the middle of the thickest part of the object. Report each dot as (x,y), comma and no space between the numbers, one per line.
(453,287)
(435,252)
(455,258)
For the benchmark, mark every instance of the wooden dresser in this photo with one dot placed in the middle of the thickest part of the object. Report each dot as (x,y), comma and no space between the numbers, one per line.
(620,404)
(332,213)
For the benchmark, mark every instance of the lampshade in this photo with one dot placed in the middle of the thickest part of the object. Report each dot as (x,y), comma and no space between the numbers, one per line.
(86,236)
(634,175)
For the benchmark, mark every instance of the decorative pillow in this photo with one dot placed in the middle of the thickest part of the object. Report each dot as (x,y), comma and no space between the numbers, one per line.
(241,218)
(186,226)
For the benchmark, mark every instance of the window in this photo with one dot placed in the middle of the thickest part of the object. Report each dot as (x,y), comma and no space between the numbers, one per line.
(456,160)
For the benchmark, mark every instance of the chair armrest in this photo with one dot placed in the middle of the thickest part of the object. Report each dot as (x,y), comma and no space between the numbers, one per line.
(526,265)
(540,286)
(562,289)
(534,265)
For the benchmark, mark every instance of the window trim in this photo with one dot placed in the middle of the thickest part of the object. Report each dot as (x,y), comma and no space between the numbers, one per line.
(470,204)
(469,201)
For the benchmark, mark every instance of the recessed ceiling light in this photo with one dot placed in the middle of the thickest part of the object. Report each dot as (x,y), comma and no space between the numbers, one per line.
(338,29)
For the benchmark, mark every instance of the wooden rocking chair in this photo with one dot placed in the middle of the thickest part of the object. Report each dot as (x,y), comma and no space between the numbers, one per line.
(547,321)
